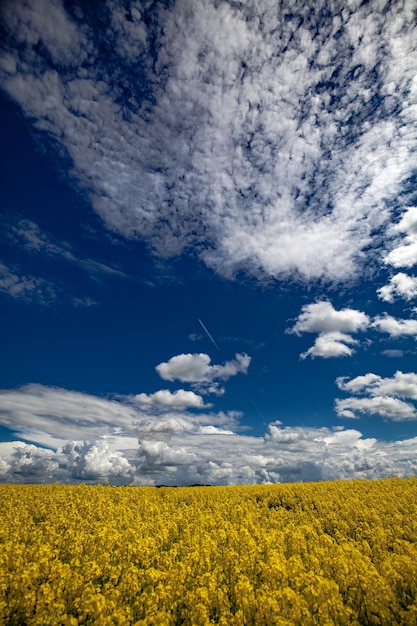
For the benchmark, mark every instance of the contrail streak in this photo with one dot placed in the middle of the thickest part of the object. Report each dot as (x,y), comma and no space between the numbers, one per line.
(247,394)
(209,336)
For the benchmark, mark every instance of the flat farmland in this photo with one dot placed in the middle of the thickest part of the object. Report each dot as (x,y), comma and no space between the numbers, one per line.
(315,553)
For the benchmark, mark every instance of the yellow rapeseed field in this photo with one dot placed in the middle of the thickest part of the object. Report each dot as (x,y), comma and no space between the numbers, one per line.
(318,553)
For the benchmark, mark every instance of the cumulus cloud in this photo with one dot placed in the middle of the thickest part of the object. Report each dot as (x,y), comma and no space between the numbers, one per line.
(180,398)
(95,461)
(404,254)
(400,285)
(333,327)
(401,384)
(158,453)
(333,344)
(385,396)
(166,423)
(214,430)
(408,222)
(76,461)
(395,327)
(322,317)
(22,462)
(174,447)
(197,368)
(265,137)
(386,406)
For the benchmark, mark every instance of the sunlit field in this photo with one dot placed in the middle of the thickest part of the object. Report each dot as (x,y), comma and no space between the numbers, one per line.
(318,553)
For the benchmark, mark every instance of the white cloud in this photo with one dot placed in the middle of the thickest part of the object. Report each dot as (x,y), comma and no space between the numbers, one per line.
(357,384)
(225,127)
(95,461)
(349,437)
(158,453)
(386,406)
(322,317)
(401,384)
(333,327)
(333,344)
(214,430)
(52,416)
(188,368)
(395,327)
(405,254)
(393,353)
(385,396)
(163,425)
(26,287)
(27,235)
(21,462)
(401,285)
(29,288)
(33,20)
(172,447)
(180,398)
(76,461)
(408,222)
(196,368)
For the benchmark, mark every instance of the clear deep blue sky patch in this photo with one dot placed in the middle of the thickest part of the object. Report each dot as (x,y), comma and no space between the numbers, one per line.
(208,241)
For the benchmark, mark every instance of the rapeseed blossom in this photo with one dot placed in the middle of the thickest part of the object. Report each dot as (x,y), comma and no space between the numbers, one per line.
(305,554)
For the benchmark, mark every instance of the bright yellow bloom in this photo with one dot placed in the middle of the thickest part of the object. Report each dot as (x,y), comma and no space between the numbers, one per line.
(340,553)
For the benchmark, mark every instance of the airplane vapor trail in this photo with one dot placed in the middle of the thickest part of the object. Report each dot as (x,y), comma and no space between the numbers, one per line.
(209,336)
(247,394)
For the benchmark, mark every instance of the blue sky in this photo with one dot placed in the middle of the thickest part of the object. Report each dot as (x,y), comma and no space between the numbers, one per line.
(208,241)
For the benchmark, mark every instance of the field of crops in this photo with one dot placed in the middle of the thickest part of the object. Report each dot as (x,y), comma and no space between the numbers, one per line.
(319,553)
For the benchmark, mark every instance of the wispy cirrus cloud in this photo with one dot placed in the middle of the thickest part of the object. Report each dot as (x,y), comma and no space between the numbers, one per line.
(251,133)
(26,287)
(29,288)
(28,236)
(51,416)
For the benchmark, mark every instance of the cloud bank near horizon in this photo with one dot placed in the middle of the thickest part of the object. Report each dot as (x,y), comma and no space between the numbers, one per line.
(248,133)
(80,437)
